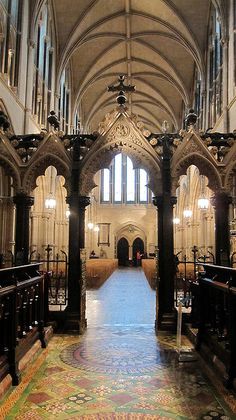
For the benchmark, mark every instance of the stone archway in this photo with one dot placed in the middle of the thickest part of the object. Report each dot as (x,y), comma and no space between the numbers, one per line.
(123,135)
(137,247)
(123,252)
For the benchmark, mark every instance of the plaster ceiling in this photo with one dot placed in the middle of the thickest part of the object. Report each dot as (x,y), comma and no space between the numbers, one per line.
(155,43)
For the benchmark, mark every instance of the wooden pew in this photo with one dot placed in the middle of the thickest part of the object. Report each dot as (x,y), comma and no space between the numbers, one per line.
(150,270)
(98,271)
(217,316)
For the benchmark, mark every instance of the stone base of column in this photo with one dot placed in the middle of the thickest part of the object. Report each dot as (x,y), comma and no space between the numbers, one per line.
(73,324)
(166,322)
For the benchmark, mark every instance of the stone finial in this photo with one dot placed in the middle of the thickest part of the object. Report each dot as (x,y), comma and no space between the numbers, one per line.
(53,120)
(191,118)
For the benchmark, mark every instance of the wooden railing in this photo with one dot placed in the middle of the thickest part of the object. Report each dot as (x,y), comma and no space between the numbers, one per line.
(217,316)
(21,316)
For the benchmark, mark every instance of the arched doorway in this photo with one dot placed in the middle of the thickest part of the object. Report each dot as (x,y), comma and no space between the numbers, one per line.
(138,245)
(123,252)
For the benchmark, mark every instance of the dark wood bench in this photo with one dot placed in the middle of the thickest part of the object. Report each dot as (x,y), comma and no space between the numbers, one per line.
(21,316)
(217,316)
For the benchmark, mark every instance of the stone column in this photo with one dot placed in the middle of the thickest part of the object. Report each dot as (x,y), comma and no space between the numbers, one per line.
(165,316)
(75,312)
(221,202)
(23,204)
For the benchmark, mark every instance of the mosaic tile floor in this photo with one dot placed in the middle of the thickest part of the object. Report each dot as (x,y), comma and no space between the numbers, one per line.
(116,371)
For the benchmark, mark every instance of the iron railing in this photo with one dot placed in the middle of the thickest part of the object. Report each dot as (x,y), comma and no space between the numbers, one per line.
(58,280)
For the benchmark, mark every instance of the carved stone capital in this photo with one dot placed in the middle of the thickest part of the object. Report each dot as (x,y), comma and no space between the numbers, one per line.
(21,199)
(81,201)
(220,198)
(84,201)
(158,200)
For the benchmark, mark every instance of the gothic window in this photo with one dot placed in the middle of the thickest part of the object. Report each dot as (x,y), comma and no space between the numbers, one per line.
(106,185)
(43,67)
(64,100)
(122,183)
(197,100)
(215,68)
(130,181)
(10,39)
(234,23)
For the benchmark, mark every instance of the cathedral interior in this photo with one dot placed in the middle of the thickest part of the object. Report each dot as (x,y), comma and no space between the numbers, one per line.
(118,209)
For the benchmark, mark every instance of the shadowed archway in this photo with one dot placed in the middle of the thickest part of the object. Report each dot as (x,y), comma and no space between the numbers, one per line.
(123,252)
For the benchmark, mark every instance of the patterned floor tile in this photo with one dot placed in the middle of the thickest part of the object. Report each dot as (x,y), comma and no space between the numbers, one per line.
(116,370)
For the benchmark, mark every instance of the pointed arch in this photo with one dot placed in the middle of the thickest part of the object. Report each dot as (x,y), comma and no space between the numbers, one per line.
(123,137)
(39,167)
(205,168)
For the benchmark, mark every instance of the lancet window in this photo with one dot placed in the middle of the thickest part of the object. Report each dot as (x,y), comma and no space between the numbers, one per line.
(43,67)
(122,183)
(10,39)
(64,101)
(215,68)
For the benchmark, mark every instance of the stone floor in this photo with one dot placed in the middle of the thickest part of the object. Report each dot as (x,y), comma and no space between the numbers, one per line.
(118,369)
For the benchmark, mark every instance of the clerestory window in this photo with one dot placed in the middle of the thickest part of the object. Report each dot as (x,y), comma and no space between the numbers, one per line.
(10,39)
(43,67)
(215,68)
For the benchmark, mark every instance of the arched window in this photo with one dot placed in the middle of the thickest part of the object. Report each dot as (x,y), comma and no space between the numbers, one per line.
(215,68)
(197,99)
(43,63)
(122,183)
(234,27)
(10,39)
(64,100)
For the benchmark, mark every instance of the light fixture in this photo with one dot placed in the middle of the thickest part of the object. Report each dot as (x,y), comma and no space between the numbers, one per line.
(90,225)
(176,220)
(50,203)
(96,228)
(187,213)
(203,203)
(67,214)
(165,126)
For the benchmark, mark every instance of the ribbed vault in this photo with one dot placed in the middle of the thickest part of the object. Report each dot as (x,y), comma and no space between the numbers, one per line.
(158,45)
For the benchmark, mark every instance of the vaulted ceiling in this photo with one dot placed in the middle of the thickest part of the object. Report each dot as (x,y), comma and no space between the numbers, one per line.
(156,43)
